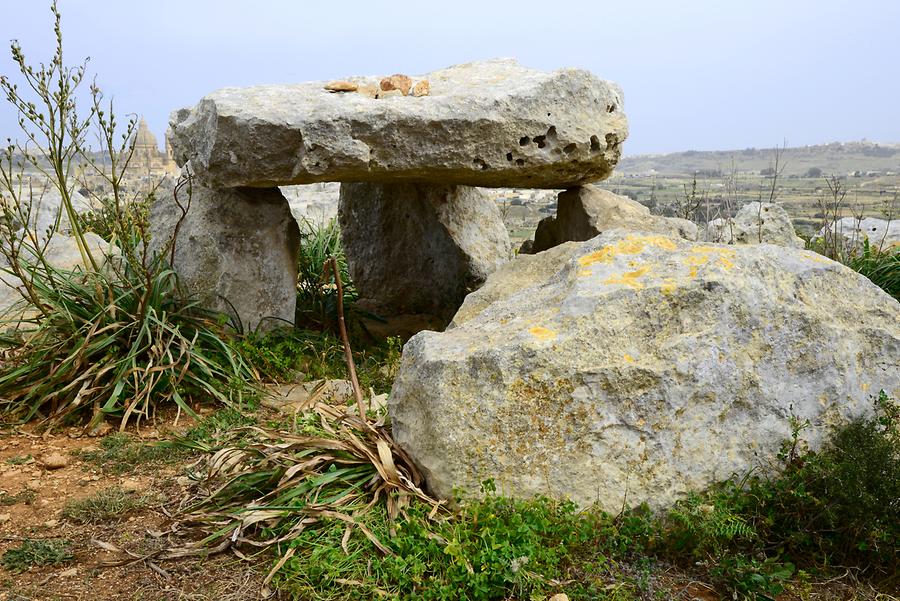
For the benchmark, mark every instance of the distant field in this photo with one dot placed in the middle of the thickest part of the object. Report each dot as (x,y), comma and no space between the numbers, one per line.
(869,172)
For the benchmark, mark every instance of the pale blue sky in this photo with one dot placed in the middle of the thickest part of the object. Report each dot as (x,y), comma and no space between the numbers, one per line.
(697,74)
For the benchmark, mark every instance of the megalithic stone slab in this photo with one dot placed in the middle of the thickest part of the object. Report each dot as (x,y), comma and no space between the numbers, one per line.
(491,124)
(235,249)
(418,249)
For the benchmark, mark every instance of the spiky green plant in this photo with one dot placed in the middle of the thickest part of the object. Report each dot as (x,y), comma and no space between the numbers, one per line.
(880,266)
(117,344)
(316,291)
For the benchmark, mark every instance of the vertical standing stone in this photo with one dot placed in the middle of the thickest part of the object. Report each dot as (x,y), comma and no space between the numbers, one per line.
(418,249)
(235,249)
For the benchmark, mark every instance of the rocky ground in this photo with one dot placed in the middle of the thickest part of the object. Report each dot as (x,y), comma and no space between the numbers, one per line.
(108,547)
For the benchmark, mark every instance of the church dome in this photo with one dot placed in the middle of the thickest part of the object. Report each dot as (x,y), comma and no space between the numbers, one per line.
(144,138)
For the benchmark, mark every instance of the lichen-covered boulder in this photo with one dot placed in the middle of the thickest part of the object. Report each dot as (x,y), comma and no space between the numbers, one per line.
(235,251)
(418,249)
(633,368)
(493,123)
(587,211)
(755,223)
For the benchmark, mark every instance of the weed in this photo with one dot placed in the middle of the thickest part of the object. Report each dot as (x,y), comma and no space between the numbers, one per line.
(46,552)
(107,505)
(120,453)
(880,266)
(20,460)
(26,496)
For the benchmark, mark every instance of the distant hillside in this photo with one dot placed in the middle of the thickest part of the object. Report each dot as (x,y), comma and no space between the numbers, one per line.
(835,158)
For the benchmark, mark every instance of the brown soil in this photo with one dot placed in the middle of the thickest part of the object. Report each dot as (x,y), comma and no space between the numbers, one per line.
(88,577)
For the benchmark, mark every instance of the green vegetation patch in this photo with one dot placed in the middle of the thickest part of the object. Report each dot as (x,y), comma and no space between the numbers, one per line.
(107,505)
(40,552)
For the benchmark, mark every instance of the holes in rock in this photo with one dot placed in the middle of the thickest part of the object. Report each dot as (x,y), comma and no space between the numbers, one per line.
(520,162)
(570,148)
(509,156)
(480,164)
(524,141)
(611,108)
(611,140)
(541,141)
(595,144)
(548,114)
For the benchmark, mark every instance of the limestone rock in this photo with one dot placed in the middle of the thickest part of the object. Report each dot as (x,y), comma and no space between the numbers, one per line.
(755,223)
(341,86)
(422,88)
(418,249)
(315,203)
(54,461)
(289,398)
(587,211)
(236,250)
(635,367)
(880,233)
(493,123)
(399,82)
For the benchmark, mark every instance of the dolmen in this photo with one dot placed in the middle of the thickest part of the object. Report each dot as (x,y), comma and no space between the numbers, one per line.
(411,155)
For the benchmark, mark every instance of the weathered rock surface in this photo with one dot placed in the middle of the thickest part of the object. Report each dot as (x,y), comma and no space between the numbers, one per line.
(493,123)
(755,223)
(588,211)
(880,233)
(633,367)
(315,203)
(236,250)
(418,249)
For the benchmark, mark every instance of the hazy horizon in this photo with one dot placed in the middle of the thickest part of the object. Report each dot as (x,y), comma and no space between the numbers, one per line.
(699,76)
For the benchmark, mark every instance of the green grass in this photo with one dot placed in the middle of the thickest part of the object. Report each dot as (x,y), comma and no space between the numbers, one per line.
(121,453)
(26,496)
(107,505)
(19,460)
(883,267)
(32,553)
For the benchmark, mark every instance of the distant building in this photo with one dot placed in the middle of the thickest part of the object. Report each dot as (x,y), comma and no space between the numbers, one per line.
(147,159)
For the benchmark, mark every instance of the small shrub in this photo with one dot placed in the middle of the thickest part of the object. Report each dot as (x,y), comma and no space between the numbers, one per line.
(317,306)
(47,552)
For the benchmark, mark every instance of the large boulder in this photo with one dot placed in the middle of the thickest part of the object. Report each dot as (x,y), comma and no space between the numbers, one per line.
(755,223)
(493,123)
(633,368)
(235,250)
(418,249)
(853,232)
(588,211)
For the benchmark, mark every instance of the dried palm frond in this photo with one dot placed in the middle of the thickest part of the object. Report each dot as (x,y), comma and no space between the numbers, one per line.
(270,490)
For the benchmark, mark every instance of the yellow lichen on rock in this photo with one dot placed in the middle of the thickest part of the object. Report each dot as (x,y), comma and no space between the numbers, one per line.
(629,278)
(630,245)
(542,333)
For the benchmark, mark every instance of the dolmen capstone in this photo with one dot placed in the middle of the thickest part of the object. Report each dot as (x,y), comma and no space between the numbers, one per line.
(418,233)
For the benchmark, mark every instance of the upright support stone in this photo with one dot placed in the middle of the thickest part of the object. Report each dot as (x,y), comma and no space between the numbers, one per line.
(416,250)
(236,249)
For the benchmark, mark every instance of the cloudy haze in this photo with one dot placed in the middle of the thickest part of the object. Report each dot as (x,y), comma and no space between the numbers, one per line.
(697,74)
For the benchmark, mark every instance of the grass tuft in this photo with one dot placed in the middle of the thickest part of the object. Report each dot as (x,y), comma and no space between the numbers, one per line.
(31,553)
(107,505)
